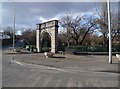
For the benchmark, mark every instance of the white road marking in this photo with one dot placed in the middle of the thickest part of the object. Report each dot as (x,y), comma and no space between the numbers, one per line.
(13,61)
(26,64)
(53,68)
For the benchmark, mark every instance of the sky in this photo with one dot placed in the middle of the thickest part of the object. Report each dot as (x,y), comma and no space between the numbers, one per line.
(28,14)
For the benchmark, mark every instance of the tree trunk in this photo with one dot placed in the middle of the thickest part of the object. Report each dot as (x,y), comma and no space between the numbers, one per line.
(77,42)
(86,34)
(84,37)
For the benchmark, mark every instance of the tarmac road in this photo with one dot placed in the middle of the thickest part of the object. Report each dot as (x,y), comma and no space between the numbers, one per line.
(23,74)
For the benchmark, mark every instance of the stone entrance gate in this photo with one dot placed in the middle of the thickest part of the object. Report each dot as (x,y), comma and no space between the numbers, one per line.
(50,27)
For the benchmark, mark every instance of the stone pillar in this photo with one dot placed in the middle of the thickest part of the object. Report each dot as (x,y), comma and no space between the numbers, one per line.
(38,42)
(54,42)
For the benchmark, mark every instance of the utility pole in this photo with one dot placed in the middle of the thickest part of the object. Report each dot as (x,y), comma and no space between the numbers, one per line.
(109,28)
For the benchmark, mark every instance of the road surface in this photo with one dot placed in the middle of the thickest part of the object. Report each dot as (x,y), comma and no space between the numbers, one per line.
(30,75)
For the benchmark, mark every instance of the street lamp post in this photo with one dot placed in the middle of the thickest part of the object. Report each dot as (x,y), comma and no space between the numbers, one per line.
(109,28)
(14,26)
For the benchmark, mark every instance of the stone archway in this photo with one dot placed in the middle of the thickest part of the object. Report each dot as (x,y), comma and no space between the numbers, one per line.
(50,27)
(45,39)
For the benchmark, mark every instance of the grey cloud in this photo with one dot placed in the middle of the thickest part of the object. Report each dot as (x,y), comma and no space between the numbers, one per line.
(29,12)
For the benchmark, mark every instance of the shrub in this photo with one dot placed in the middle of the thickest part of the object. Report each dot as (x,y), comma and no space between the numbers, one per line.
(46,49)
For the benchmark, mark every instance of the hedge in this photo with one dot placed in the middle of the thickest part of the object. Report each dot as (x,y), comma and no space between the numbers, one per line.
(98,48)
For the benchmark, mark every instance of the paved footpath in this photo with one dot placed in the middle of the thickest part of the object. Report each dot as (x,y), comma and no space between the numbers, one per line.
(34,70)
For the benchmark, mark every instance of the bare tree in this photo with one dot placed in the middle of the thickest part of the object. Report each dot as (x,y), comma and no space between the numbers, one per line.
(103,22)
(89,27)
(72,26)
(8,31)
(63,38)
(115,26)
(29,36)
(75,26)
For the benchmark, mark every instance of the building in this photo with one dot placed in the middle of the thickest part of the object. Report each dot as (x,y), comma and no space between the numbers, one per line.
(3,36)
(4,39)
